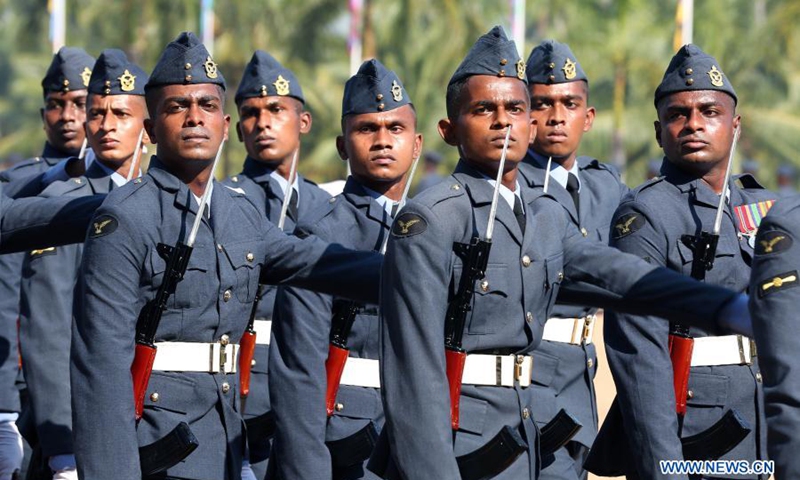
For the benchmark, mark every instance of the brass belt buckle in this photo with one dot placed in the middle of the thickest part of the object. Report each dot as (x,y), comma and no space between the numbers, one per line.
(518,360)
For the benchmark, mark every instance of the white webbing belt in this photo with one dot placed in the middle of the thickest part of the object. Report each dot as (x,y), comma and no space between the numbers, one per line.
(498,370)
(196,357)
(361,372)
(263,330)
(725,350)
(574,331)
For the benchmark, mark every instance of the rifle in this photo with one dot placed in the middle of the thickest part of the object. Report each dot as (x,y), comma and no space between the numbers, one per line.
(357,447)
(178,444)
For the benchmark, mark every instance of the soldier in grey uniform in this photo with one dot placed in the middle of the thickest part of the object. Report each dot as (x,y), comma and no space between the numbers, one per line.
(380,141)
(590,192)
(535,247)
(659,221)
(115,114)
(272,119)
(64,87)
(773,305)
(194,375)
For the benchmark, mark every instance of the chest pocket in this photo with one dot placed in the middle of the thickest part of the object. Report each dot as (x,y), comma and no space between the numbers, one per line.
(194,288)
(245,261)
(488,303)
(727,247)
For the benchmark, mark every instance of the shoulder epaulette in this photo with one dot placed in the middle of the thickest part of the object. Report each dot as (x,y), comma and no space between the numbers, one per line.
(63,187)
(119,195)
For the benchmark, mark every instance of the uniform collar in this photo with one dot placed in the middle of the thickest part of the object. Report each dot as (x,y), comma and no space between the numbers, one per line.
(378,207)
(693,185)
(284,184)
(104,171)
(557,171)
(50,152)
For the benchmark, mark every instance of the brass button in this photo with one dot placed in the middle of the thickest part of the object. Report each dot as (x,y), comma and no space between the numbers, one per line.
(339,407)
(526,413)
(187,66)
(528,317)
(253,362)
(503,61)
(758,377)
(250,257)
(154,397)
(224,340)
(227,295)
(484,286)
(689,71)
(226,387)
(584,232)
(379,97)
(560,276)
(690,81)
(526,261)
(235,179)
(590,363)
(332,200)
(690,394)
(188,78)
(219,247)
(78,181)
(551,65)
(455,187)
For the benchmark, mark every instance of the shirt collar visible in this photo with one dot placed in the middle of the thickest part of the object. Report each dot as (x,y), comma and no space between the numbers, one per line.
(506,192)
(557,171)
(384,201)
(284,184)
(210,195)
(118,179)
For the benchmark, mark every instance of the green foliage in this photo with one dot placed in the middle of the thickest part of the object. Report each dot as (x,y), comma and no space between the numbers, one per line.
(624,46)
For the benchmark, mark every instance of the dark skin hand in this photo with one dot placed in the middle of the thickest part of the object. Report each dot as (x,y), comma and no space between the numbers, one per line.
(188,126)
(488,106)
(381,148)
(695,129)
(62,118)
(563,115)
(270,128)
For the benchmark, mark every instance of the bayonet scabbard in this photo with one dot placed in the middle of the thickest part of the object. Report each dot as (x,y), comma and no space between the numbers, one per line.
(455,359)
(141,368)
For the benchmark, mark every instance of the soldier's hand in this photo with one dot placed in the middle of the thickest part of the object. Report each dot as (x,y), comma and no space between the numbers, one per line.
(735,316)
(10,449)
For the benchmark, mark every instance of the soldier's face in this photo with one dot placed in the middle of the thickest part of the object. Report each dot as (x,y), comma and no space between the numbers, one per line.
(189,123)
(380,146)
(270,127)
(487,107)
(63,116)
(695,128)
(562,116)
(113,125)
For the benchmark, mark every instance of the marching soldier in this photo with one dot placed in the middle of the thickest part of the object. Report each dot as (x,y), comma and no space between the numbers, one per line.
(230,250)
(665,221)
(272,118)
(534,248)
(63,114)
(114,126)
(773,305)
(590,192)
(380,142)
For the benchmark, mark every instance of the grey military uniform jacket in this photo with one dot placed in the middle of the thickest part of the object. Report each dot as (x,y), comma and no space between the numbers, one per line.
(300,347)
(16,179)
(773,305)
(266,193)
(420,274)
(651,223)
(564,372)
(235,250)
(48,282)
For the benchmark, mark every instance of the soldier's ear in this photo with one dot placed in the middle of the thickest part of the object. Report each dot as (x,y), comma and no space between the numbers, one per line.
(239,134)
(149,130)
(534,128)
(589,120)
(447,130)
(340,148)
(657,126)
(305,122)
(227,127)
(737,121)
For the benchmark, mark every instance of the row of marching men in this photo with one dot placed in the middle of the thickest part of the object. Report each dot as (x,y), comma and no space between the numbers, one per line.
(157,350)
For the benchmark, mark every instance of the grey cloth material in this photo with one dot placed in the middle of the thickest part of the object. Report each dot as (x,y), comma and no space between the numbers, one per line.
(256,181)
(420,274)
(650,223)
(121,271)
(46,313)
(301,331)
(774,311)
